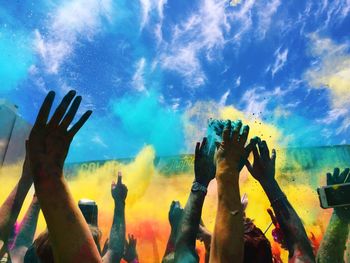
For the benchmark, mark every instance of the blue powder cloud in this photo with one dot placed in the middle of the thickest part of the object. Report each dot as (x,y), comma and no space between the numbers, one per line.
(143,116)
(16,56)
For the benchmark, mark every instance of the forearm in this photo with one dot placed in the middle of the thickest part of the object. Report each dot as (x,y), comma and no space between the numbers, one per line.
(291,225)
(28,226)
(227,240)
(333,244)
(188,228)
(12,206)
(69,233)
(117,234)
(170,247)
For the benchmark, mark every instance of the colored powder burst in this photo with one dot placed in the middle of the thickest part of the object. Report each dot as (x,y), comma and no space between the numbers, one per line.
(150,194)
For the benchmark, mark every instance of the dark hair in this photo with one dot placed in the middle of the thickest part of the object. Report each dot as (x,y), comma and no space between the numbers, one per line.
(257,248)
(41,251)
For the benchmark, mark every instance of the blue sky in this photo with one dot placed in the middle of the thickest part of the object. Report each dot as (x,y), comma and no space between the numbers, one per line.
(143,65)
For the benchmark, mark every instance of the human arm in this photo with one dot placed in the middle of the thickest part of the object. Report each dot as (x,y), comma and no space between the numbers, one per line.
(204,170)
(263,170)
(130,254)
(10,209)
(227,239)
(117,236)
(174,216)
(204,236)
(48,146)
(25,236)
(333,244)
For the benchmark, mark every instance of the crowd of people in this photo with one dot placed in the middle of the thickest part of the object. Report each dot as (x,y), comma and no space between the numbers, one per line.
(72,233)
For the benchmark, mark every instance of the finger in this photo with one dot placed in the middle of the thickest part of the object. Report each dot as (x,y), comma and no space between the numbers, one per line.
(80,123)
(264,151)
(273,156)
(119,179)
(236,131)
(248,149)
(61,109)
(217,145)
(196,152)
(329,179)
(336,175)
(71,113)
(227,132)
(343,176)
(249,166)
(44,111)
(204,144)
(113,185)
(243,138)
(256,154)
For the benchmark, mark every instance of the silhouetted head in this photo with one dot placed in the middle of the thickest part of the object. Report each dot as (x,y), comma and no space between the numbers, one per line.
(41,250)
(257,248)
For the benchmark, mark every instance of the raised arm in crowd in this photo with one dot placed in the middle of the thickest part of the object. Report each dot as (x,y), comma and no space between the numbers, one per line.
(333,245)
(48,147)
(204,170)
(26,232)
(263,170)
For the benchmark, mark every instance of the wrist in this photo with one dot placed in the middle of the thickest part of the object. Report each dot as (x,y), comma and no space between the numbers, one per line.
(119,203)
(198,187)
(48,185)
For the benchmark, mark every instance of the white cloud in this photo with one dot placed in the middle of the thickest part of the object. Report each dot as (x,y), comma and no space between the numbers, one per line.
(147,6)
(223,98)
(208,29)
(71,20)
(185,62)
(238,81)
(265,15)
(336,11)
(99,141)
(280,61)
(138,79)
(202,31)
(255,100)
(331,71)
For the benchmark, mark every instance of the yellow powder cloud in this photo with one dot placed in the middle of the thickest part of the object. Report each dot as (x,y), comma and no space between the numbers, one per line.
(333,71)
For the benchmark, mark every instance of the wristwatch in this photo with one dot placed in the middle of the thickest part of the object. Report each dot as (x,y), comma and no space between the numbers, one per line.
(196,187)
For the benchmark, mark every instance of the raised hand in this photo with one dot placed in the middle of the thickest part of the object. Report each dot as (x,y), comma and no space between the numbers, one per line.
(119,191)
(49,141)
(130,254)
(175,214)
(232,153)
(340,178)
(48,146)
(204,166)
(263,168)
